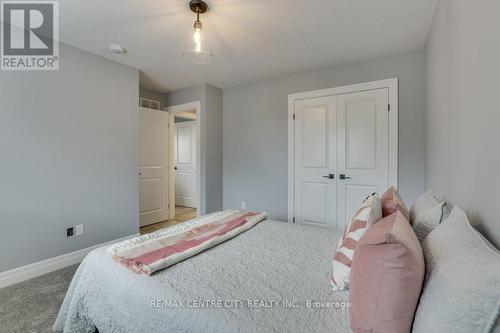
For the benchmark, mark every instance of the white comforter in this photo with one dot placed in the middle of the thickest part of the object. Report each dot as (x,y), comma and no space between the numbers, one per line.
(272,278)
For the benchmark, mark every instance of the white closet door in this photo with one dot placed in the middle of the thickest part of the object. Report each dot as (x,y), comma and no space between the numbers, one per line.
(315,145)
(185,164)
(153,166)
(363,149)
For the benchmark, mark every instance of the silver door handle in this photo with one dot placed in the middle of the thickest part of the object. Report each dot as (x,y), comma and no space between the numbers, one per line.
(330,176)
(344,177)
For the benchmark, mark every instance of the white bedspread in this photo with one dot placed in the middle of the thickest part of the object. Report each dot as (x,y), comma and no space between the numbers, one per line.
(263,280)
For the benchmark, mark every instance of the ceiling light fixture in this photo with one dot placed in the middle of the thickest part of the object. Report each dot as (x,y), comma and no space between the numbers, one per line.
(198,55)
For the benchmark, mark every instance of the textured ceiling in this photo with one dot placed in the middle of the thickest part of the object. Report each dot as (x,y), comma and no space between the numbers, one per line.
(251,40)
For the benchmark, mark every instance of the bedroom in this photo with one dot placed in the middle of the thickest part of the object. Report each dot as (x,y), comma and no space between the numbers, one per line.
(70,136)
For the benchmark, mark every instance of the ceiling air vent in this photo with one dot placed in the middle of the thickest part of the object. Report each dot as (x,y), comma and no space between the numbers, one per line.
(149,103)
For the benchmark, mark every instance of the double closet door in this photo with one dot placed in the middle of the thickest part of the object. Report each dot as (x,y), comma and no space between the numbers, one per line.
(341,154)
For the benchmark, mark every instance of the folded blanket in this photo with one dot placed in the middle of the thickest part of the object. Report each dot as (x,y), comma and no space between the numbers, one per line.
(149,253)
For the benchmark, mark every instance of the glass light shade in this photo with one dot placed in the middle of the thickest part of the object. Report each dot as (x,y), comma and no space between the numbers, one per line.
(200,57)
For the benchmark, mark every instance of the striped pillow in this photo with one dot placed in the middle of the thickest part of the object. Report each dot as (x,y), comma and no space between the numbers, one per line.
(369,213)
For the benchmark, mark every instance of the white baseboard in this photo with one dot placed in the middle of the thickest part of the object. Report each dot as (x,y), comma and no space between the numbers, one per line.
(30,271)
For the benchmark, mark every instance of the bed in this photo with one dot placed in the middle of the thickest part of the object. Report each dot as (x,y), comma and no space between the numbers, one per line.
(274,277)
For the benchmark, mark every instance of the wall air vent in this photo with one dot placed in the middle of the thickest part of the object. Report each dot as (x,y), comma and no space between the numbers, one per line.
(149,103)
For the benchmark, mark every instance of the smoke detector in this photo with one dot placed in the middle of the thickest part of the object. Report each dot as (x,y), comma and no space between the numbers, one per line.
(117,49)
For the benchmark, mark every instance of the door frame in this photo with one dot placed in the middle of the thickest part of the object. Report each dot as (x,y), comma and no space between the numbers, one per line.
(180,109)
(390,84)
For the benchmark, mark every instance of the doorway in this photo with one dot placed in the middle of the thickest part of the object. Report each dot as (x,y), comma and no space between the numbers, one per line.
(342,148)
(185,166)
(169,164)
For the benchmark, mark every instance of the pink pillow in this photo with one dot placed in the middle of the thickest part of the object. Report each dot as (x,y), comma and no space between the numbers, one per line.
(392,202)
(387,272)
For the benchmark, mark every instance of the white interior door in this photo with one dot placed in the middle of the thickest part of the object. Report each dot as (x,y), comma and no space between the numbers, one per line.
(315,160)
(363,149)
(185,164)
(153,166)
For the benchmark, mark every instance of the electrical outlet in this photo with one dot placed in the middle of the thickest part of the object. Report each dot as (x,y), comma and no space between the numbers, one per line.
(70,232)
(243,205)
(79,229)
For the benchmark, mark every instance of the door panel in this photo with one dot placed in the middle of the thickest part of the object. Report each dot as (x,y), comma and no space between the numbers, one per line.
(184,145)
(185,164)
(153,166)
(183,187)
(150,194)
(315,137)
(315,159)
(361,135)
(363,149)
(314,202)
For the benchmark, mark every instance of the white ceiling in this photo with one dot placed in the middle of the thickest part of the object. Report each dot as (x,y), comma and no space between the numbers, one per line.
(251,40)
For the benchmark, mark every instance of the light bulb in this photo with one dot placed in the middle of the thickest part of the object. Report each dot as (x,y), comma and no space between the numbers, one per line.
(197,40)
(197,35)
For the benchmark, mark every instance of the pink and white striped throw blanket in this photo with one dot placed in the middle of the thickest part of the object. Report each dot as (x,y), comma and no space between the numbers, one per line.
(149,253)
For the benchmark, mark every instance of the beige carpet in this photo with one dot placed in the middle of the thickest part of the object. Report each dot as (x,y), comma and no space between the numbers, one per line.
(32,306)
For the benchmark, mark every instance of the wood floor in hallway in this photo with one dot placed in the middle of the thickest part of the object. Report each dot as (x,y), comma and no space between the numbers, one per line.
(181,214)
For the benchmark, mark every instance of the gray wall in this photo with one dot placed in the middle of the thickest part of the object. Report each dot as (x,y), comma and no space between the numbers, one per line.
(256,127)
(210,118)
(68,146)
(463,118)
(213,145)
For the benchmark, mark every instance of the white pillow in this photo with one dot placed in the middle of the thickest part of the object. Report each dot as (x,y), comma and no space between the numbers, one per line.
(427,201)
(426,221)
(462,287)
(426,214)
